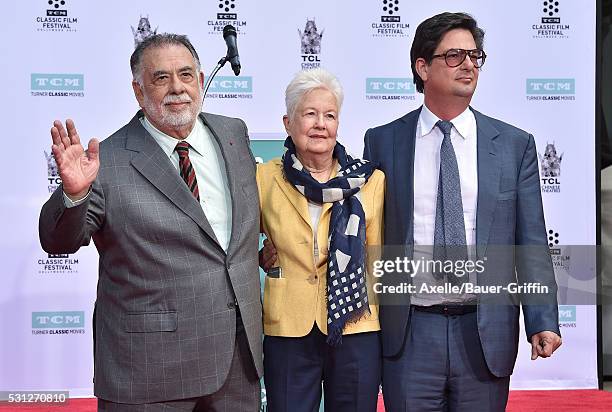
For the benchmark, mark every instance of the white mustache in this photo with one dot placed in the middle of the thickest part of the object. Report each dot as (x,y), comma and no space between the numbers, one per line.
(174,98)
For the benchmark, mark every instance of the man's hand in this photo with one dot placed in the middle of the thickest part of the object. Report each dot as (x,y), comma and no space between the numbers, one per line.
(267,256)
(543,344)
(77,168)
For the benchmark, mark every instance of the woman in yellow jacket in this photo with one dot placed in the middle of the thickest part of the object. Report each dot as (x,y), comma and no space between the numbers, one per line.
(323,211)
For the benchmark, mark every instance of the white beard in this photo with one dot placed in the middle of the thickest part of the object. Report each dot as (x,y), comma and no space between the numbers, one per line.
(168,119)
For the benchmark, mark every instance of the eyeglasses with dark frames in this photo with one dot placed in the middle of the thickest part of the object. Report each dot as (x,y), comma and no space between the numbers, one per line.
(454,57)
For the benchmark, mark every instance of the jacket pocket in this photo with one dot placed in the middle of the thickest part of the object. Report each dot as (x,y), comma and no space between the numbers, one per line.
(274,298)
(145,322)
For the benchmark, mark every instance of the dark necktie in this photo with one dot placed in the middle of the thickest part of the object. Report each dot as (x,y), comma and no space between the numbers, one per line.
(449,232)
(186,169)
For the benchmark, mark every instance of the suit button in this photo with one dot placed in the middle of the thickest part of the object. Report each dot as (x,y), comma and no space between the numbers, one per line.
(231,305)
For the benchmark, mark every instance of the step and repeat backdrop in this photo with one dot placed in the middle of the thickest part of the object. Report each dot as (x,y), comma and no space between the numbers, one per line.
(70,59)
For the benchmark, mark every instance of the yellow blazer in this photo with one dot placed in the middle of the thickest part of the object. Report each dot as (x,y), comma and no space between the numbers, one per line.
(297,300)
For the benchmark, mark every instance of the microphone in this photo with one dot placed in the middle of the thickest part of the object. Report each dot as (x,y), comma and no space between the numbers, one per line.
(229,34)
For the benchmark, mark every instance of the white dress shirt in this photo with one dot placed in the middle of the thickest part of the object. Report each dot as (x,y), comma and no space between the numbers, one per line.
(207,160)
(426,172)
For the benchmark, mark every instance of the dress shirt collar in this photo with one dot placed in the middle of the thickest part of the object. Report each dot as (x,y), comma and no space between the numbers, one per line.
(461,123)
(168,143)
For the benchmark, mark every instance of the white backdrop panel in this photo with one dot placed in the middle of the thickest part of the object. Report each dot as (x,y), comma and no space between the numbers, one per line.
(542,83)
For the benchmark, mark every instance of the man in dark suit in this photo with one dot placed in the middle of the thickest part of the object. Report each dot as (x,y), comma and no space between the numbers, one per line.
(456,177)
(170,200)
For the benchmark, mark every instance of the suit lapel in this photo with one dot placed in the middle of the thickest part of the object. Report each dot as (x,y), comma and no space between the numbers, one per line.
(489,171)
(326,206)
(403,169)
(155,166)
(298,201)
(225,140)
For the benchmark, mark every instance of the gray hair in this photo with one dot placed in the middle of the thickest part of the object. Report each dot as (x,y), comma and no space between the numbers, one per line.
(160,40)
(308,80)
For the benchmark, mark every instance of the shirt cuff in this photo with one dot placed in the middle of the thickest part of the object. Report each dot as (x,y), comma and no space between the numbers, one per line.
(72,203)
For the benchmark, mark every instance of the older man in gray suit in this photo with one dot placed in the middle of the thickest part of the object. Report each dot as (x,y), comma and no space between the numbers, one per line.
(170,201)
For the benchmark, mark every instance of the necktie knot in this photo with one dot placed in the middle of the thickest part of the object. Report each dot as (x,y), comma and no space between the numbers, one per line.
(445,127)
(182,148)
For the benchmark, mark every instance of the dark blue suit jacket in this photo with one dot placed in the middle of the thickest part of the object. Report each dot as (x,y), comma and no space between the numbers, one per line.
(509,212)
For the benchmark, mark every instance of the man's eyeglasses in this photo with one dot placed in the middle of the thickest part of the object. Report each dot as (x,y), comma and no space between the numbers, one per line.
(454,57)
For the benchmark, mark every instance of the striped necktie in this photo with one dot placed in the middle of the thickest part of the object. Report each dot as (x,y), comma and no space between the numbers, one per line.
(186,169)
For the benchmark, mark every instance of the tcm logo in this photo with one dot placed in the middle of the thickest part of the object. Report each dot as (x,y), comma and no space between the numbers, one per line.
(389,85)
(389,8)
(551,8)
(567,313)
(551,86)
(56,8)
(58,320)
(231,84)
(66,82)
(553,240)
(227,10)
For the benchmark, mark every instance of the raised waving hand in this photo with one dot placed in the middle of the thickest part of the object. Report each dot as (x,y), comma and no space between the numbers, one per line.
(77,168)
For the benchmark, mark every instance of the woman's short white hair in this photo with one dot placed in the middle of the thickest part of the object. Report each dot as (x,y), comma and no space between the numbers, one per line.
(308,80)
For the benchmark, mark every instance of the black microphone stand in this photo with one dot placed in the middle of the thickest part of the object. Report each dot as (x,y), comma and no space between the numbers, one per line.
(220,64)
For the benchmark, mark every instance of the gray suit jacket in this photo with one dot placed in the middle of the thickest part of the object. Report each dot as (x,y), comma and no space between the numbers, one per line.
(165,319)
(509,212)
